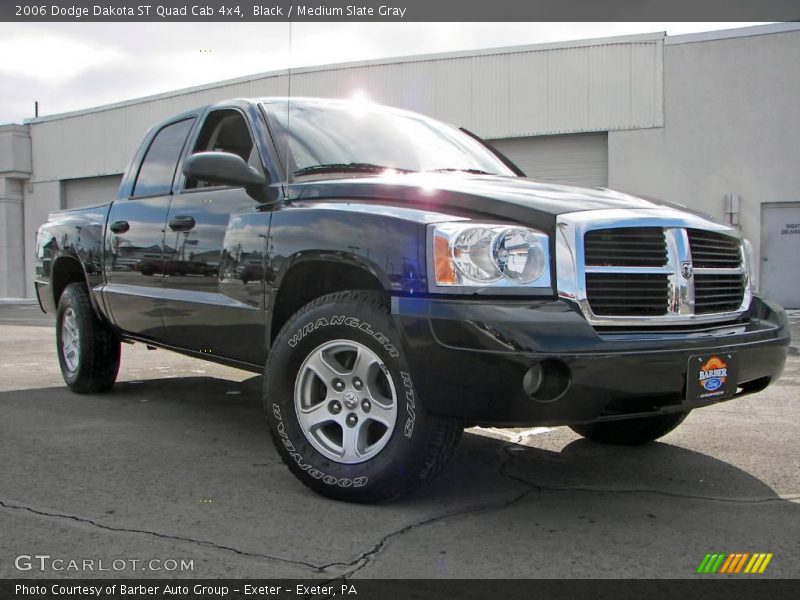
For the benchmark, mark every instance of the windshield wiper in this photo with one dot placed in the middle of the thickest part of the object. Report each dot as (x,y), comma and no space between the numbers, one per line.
(450,170)
(353,166)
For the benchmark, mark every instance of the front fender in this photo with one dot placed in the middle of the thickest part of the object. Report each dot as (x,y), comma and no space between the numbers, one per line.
(392,249)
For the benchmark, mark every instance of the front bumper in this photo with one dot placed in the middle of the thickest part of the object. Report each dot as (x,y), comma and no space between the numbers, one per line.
(468,360)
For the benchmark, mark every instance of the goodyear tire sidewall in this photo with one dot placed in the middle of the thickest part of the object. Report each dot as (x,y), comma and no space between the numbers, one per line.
(373,328)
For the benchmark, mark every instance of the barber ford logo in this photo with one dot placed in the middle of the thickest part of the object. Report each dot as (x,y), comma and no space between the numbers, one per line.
(713,374)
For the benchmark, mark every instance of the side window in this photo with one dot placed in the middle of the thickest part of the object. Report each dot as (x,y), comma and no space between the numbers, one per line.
(159,164)
(225,131)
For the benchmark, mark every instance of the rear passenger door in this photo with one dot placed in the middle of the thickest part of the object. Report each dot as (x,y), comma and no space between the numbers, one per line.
(133,258)
(198,314)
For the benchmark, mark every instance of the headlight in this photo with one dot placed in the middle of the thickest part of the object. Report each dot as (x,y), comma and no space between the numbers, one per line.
(477,255)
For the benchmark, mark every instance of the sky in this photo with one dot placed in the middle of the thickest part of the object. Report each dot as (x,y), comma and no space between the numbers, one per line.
(70,66)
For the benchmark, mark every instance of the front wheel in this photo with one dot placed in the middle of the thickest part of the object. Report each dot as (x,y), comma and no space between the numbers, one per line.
(88,349)
(341,405)
(631,432)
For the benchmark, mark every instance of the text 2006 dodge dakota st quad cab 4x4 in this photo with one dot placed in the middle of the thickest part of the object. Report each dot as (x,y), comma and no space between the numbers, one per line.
(396,280)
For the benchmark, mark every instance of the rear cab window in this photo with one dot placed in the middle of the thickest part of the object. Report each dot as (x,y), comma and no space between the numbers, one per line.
(161,160)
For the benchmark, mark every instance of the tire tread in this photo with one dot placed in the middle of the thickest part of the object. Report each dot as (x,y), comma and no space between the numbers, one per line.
(441,442)
(100,345)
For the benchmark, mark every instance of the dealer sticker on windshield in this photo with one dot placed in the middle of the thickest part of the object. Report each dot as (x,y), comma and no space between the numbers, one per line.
(711,377)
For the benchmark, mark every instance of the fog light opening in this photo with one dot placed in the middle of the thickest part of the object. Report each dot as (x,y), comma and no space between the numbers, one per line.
(547,380)
(533,380)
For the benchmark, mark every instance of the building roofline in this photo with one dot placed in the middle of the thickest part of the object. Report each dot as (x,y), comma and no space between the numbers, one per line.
(724,34)
(14,128)
(604,41)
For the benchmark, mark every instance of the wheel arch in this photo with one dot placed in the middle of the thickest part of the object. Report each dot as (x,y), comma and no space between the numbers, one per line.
(68,269)
(312,275)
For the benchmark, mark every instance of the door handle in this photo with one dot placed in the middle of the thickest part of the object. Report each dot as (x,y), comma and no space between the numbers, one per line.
(183,223)
(119,227)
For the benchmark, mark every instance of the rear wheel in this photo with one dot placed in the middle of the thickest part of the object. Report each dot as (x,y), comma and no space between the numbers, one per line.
(341,406)
(88,349)
(630,432)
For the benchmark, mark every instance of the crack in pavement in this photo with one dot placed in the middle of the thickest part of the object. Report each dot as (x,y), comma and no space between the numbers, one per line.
(367,557)
(166,536)
(361,561)
(764,500)
(602,490)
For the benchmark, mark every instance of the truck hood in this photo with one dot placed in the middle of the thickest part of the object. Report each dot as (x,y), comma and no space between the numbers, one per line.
(515,198)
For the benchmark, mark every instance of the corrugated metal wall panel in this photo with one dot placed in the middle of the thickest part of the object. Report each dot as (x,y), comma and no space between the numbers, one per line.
(609,73)
(594,87)
(454,92)
(528,93)
(568,90)
(419,87)
(490,104)
(646,85)
(576,159)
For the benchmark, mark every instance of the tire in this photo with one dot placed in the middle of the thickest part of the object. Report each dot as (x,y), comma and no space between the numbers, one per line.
(630,432)
(88,349)
(394,446)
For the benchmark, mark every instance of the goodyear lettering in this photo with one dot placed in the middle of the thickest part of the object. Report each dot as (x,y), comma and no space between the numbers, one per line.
(343,482)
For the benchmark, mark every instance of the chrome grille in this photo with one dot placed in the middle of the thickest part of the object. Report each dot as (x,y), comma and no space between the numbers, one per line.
(711,250)
(719,284)
(626,246)
(616,294)
(717,293)
(664,267)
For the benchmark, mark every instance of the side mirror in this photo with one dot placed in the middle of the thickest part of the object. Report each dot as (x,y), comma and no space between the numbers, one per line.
(224,168)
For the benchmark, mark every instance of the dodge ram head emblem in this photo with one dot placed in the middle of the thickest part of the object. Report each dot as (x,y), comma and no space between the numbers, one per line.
(686,270)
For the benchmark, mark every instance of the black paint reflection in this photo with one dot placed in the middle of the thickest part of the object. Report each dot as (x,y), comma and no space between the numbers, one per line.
(135,258)
(390,248)
(201,311)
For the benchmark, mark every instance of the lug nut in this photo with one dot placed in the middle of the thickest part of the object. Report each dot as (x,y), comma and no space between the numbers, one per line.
(352,420)
(338,385)
(335,407)
(366,405)
(357,383)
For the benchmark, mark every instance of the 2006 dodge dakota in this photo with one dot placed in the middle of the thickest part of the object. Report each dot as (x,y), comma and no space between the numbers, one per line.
(397,279)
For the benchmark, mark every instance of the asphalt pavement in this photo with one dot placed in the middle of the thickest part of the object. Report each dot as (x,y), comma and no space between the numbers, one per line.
(173,474)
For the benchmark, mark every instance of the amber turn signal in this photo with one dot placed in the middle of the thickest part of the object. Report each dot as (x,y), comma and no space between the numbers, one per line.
(443,266)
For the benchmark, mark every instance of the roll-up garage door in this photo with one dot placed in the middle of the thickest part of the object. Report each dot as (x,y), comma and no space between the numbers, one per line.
(90,190)
(575,159)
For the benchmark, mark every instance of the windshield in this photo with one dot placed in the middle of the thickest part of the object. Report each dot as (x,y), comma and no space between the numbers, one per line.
(328,137)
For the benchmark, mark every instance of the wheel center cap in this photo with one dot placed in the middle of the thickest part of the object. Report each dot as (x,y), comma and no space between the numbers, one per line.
(350,400)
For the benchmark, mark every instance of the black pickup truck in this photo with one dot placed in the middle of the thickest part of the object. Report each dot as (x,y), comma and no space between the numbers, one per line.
(397,279)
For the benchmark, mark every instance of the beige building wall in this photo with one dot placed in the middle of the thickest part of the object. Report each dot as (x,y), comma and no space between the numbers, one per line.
(15,168)
(731,126)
